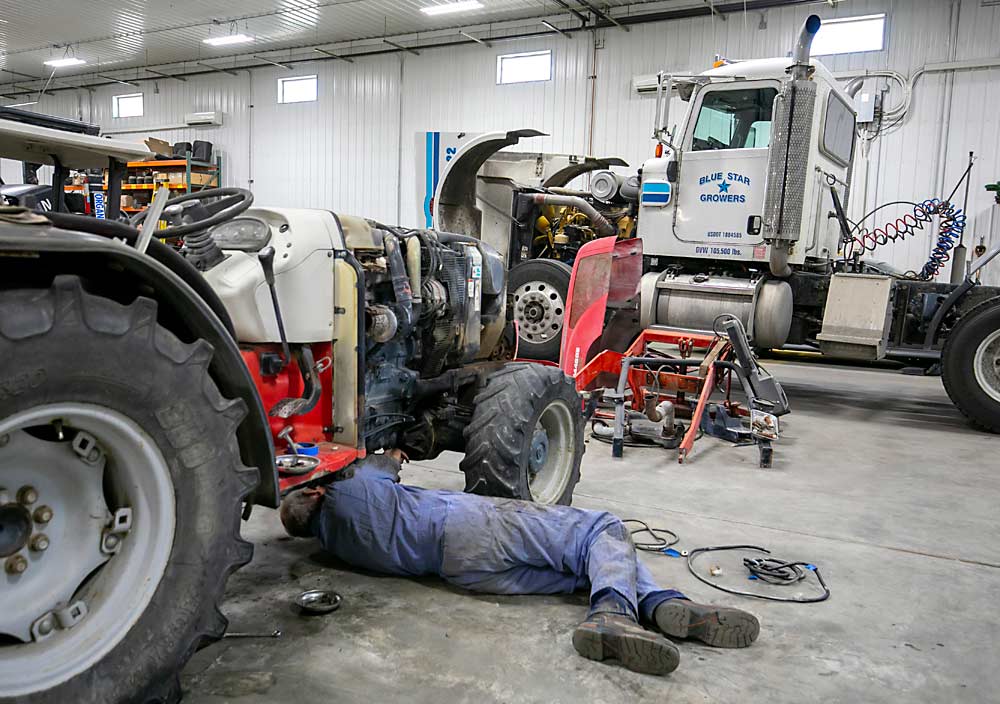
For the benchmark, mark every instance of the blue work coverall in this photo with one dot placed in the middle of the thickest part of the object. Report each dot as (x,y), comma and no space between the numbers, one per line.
(497,546)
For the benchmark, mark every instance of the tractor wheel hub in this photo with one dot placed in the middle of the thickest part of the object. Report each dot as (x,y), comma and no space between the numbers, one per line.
(15,529)
(539,451)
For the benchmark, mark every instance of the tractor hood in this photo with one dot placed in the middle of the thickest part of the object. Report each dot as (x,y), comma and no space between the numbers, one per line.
(455,206)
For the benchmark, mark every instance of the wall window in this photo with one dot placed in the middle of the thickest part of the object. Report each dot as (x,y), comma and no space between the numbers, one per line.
(299,89)
(129,105)
(734,119)
(850,34)
(524,68)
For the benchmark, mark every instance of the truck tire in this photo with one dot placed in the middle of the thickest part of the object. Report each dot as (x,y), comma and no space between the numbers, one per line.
(970,365)
(121,488)
(525,440)
(540,288)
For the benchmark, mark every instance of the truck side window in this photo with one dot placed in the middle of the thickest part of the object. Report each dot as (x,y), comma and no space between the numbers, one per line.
(838,131)
(734,119)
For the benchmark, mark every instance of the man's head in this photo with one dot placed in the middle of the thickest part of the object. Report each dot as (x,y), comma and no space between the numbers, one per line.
(297,511)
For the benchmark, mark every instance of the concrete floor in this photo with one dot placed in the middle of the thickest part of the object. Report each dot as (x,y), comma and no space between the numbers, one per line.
(877,480)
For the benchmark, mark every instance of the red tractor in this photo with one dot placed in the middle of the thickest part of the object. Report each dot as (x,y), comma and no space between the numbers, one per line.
(145,384)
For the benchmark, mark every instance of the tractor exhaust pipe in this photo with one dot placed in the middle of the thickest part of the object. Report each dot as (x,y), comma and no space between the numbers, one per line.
(600,223)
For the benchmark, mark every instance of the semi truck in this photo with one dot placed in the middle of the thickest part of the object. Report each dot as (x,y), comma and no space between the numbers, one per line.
(743,211)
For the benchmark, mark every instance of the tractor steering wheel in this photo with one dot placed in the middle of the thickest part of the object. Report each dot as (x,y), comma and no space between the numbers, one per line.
(195,216)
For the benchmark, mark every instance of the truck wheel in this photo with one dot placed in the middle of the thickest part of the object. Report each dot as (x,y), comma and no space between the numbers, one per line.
(120,497)
(525,440)
(971,365)
(540,288)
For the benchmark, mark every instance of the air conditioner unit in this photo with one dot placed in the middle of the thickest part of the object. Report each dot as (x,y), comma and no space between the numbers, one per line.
(201,119)
(645,84)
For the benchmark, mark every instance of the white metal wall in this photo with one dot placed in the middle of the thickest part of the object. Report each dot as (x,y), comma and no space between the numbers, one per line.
(353,150)
(340,152)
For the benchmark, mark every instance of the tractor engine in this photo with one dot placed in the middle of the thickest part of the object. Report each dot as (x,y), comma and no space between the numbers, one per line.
(435,306)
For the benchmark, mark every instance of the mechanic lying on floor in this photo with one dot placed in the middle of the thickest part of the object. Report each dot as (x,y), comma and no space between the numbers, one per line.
(504,546)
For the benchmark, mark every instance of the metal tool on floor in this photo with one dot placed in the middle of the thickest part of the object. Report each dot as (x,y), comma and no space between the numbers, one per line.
(273,634)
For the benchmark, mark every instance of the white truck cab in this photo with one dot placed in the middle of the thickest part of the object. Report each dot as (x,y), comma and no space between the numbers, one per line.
(706,197)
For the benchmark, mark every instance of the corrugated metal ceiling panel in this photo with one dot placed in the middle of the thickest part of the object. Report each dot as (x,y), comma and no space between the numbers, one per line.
(120,34)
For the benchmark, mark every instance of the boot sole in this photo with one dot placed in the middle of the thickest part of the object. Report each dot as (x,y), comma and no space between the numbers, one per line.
(718,627)
(650,655)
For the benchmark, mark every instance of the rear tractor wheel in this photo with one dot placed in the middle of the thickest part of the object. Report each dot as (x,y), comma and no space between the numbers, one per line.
(120,494)
(525,440)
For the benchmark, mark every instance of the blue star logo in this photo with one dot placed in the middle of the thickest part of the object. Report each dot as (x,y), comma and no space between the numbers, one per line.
(724,187)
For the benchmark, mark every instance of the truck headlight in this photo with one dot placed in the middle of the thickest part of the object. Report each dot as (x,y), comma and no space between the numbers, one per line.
(243,234)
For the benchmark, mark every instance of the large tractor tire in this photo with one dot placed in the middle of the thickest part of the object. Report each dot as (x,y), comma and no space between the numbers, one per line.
(121,488)
(525,440)
(540,288)
(970,365)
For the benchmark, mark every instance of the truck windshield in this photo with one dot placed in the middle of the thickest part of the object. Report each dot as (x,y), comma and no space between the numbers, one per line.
(734,119)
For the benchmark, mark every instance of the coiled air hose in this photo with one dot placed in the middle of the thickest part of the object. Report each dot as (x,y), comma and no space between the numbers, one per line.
(950,228)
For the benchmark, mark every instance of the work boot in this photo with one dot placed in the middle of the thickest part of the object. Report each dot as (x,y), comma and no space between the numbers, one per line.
(607,636)
(719,626)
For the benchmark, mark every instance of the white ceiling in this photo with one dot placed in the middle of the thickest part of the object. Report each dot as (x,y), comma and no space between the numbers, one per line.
(117,37)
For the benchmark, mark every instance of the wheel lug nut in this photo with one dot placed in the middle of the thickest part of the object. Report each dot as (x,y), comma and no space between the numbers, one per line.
(27,495)
(43,514)
(40,543)
(16,564)
(111,541)
(46,626)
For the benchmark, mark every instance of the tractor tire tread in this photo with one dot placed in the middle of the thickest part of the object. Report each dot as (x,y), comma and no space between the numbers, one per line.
(498,437)
(60,312)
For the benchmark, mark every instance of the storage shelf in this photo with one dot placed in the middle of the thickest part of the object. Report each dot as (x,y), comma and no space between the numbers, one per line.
(171,186)
(169,162)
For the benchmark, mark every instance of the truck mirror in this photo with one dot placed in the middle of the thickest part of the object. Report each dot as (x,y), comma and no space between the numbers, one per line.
(673,170)
(754,225)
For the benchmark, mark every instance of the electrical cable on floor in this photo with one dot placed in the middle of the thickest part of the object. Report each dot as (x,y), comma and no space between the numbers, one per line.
(770,570)
(659,540)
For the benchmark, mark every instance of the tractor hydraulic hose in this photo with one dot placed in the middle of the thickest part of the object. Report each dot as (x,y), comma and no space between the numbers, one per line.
(400,282)
(413,255)
(600,223)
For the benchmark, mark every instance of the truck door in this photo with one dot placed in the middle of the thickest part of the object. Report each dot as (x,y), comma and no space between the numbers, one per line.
(723,169)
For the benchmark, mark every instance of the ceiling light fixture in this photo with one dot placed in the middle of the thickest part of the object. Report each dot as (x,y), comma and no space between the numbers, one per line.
(21,105)
(65,61)
(227,39)
(448,8)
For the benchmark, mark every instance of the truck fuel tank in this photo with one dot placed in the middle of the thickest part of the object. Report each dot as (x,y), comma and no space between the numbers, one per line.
(693,302)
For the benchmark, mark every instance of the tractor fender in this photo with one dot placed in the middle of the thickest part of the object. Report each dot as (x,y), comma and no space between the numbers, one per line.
(35,253)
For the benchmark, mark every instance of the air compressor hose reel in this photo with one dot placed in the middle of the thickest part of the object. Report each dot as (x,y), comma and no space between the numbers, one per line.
(951,226)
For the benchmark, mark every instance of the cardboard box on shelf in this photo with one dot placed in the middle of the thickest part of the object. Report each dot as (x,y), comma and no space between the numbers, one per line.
(200,179)
(158,146)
